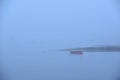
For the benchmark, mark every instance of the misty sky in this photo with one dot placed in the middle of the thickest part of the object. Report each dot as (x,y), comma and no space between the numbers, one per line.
(31,27)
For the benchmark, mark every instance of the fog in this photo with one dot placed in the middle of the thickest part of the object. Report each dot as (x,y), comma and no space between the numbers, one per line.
(30,27)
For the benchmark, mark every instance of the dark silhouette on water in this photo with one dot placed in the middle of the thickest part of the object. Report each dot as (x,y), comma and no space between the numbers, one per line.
(92,49)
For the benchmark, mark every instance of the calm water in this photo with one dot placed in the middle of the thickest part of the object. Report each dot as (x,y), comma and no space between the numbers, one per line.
(31,27)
